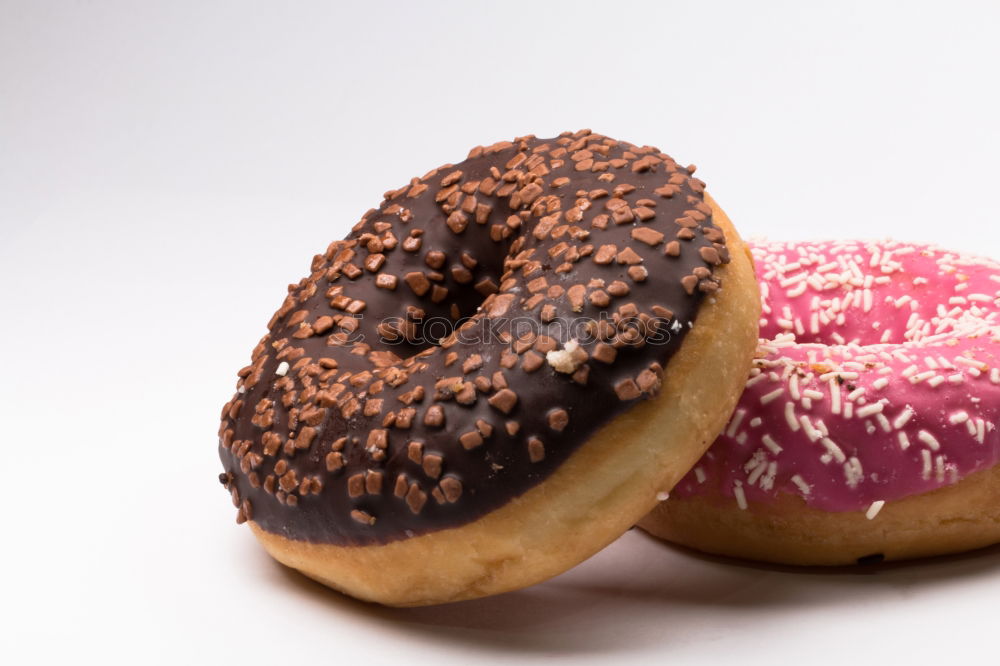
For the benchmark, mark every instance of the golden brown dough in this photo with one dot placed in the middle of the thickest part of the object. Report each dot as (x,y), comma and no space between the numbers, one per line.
(953,519)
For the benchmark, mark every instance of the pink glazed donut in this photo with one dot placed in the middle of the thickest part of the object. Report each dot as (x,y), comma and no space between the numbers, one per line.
(868,427)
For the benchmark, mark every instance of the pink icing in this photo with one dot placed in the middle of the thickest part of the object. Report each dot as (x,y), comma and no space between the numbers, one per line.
(877,377)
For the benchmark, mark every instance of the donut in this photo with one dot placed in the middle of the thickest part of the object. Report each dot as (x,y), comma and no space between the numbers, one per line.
(467,395)
(868,427)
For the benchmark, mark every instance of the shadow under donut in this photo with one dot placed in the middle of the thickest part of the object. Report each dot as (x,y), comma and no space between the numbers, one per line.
(641,592)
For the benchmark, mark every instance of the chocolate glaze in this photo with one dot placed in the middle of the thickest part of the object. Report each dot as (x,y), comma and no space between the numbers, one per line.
(302,499)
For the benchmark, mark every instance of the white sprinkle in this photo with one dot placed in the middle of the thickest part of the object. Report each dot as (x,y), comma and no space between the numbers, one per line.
(834,450)
(883,422)
(929,439)
(771,444)
(853,472)
(735,423)
(848,410)
(793,386)
(834,396)
(756,378)
(803,487)
(874,509)
(812,394)
(880,383)
(811,432)
(838,373)
(790,416)
(916,379)
(995,375)
(699,474)
(958,417)
(282,369)
(903,417)
(935,381)
(855,394)
(788,282)
(756,421)
(741,438)
(957,378)
(773,395)
(741,498)
(767,481)
(757,460)
(980,430)
(869,410)
(904,441)
(971,363)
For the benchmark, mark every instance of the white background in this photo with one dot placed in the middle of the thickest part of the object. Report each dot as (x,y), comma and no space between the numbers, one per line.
(166,168)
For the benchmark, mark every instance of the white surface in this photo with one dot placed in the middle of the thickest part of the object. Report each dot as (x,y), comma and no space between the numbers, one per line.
(166,169)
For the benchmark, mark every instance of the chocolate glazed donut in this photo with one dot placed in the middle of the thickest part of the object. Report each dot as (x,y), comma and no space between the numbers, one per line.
(457,400)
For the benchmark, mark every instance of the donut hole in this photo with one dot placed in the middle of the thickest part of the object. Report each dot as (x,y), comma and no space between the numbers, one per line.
(434,303)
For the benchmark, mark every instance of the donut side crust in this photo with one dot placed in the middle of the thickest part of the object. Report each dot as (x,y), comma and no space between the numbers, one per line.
(954,519)
(593,498)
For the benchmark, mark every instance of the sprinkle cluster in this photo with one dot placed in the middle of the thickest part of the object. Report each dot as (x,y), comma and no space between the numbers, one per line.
(357,421)
(877,377)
